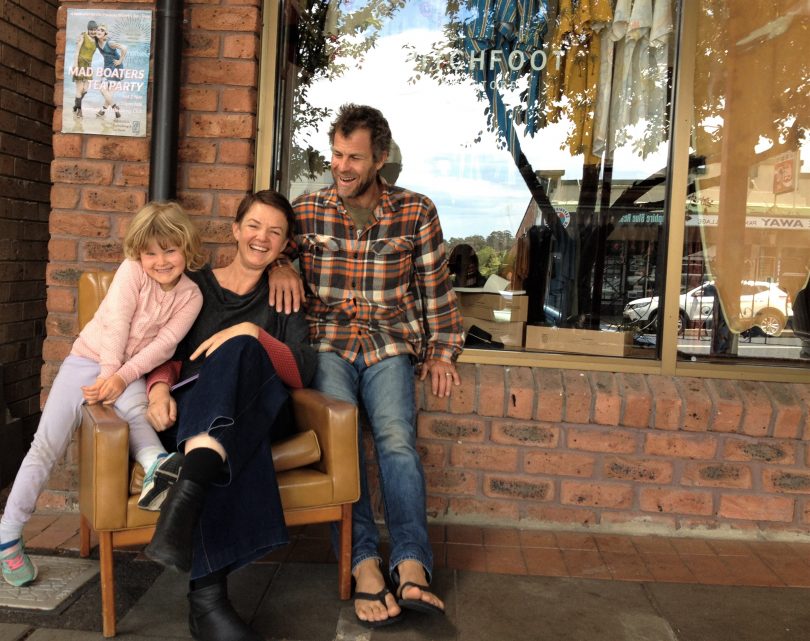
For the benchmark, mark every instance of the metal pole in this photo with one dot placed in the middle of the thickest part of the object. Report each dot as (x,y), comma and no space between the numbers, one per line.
(166,100)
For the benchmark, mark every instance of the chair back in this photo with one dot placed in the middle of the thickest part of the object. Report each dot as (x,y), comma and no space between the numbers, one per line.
(93,286)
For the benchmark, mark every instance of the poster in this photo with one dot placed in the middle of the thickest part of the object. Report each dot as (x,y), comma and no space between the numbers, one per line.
(106,71)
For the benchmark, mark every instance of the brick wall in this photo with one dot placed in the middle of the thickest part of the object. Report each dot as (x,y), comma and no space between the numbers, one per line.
(27,52)
(100,181)
(543,446)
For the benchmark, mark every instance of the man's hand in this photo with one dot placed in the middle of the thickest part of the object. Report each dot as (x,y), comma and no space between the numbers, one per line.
(286,289)
(240,329)
(112,388)
(443,376)
(162,410)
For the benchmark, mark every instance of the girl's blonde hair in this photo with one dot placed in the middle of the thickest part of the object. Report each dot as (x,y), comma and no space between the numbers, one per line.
(167,224)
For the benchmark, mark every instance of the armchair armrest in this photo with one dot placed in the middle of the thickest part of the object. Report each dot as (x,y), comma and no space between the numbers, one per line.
(104,467)
(335,423)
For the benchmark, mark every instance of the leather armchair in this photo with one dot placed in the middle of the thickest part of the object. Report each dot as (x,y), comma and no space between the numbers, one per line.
(317,471)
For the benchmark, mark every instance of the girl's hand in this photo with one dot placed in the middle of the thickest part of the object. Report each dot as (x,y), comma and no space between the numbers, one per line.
(210,346)
(162,410)
(91,392)
(112,388)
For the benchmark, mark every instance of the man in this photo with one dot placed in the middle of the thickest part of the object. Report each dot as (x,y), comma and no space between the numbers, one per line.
(82,69)
(379,300)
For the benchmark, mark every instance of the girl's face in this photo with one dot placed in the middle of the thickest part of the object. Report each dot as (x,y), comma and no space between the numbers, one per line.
(261,236)
(164,266)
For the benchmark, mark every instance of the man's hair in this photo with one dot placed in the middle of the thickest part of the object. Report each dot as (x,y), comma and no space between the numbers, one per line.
(271,198)
(167,224)
(92,25)
(352,117)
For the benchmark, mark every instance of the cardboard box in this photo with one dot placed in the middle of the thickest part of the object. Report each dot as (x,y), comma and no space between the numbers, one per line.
(497,306)
(510,334)
(578,341)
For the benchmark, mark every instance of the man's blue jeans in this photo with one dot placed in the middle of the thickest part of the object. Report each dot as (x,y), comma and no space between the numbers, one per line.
(387,393)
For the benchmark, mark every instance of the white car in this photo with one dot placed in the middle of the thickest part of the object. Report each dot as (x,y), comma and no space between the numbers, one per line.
(763,304)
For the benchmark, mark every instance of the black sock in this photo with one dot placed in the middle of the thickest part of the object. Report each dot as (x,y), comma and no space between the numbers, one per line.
(201,465)
(220,576)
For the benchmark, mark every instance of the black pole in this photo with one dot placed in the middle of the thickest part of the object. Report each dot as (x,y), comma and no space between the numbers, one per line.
(166,100)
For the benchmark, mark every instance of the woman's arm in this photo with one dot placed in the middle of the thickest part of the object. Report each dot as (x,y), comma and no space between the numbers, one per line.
(123,50)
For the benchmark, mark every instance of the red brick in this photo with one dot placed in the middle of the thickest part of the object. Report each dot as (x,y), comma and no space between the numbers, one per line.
(242,100)
(222,72)
(447,427)
(525,434)
(728,405)
(61,299)
(491,511)
(64,197)
(230,18)
(639,519)
(196,203)
(61,325)
(133,175)
(235,178)
(56,349)
(788,411)
(127,201)
(227,204)
(62,249)
(602,440)
(520,394)
(596,494)
(545,514)
(236,152)
(668,404)
(484,457)
(82,225)
(240,46)
(559,463)
(67,146)
(675,501)
(104,251)
(201,45)
(627,468)
(518,487)
(550,394)
(802,392)
(681,446)
(638,400)
(578,396)
(752,507)
(491,390)
(117,148)
(697,404)
(61,274)
(197,150)
(432,454)
(449,481)
(221,125)
(786,481)
(767,451)
(758,409)
(462,398)
(198,99)
(85,172)
(607,407)
(717,475)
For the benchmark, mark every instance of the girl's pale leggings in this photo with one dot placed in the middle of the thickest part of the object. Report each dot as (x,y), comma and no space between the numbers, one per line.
(60,417)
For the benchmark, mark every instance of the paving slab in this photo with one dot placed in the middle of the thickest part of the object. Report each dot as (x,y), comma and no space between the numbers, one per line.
(714,613)
(13,631)
(58,578)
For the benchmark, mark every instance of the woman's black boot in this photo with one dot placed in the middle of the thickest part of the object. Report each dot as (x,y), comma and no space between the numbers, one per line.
(213,618)
(171,545)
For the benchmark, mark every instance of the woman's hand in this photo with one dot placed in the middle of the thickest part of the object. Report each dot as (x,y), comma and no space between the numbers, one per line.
(162,410)
(210,346)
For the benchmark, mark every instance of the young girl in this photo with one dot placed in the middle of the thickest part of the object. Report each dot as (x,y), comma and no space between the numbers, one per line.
(150,306)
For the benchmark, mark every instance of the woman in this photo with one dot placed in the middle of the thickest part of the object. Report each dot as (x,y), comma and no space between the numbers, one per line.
(224,510)
(114,54)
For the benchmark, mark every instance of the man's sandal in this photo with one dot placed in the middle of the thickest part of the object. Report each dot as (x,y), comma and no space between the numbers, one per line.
(376,596)
(416,604)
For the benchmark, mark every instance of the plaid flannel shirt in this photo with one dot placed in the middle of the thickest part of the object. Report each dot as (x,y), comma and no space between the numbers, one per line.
(385,292)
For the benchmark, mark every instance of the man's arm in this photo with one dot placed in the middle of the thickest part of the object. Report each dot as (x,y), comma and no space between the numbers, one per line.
(286,286)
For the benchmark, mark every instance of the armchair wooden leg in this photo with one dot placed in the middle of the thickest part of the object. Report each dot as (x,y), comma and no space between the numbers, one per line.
(345,553)
(84,537)
(105,552)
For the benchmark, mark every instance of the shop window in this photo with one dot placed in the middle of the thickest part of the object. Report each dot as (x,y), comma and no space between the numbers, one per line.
(748,208)
(541,131)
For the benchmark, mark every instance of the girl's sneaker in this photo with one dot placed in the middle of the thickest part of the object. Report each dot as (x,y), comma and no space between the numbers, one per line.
(18,568)
(160,476)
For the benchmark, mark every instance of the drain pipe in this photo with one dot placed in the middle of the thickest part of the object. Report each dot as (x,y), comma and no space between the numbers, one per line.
(166,100)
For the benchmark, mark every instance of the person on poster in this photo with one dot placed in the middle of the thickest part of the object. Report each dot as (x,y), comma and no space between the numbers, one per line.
(114,54)
(83,67)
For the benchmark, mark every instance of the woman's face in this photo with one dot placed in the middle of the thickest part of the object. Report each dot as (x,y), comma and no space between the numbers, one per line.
(261,235)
